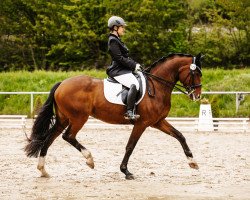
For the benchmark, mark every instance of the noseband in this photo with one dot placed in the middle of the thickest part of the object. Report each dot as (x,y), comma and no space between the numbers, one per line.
(189,88)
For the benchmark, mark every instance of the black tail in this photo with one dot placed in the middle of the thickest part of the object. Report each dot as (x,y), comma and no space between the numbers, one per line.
(43,126)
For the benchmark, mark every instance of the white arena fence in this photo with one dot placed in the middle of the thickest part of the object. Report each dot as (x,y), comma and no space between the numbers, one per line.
(182,124)
(186,124)
(13,121)
(239,96)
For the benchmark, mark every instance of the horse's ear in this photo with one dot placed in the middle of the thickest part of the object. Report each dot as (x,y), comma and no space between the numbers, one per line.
(199,58)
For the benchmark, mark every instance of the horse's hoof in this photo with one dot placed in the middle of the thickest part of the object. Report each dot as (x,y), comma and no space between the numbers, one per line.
(43,172)
(130,177)
(46,175)
(192,163)
(90,160)
(90,163)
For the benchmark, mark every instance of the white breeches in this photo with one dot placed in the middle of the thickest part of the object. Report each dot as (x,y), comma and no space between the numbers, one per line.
(127,80)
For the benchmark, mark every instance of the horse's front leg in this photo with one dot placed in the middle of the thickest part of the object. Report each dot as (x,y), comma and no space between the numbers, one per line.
(133,139)
(164,126)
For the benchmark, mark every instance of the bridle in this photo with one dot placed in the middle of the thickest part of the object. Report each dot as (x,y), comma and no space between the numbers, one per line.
(189,89)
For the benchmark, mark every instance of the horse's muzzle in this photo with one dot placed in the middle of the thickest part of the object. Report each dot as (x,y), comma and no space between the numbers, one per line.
(195,97)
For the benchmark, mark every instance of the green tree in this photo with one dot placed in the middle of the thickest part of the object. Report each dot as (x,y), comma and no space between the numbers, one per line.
(80,41)
(235,17)
(72,34)
(16,34)
(155,28)
(220,29)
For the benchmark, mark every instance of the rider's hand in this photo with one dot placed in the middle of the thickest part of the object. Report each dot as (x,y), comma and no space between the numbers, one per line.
(137,68)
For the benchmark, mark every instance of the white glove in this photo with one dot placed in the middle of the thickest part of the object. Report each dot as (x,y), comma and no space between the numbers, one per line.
(137,67)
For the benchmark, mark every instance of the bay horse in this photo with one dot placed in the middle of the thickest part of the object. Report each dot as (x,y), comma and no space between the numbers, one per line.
(72,101)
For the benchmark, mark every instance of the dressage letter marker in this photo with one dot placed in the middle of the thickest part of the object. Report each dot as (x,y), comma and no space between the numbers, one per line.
(205,118)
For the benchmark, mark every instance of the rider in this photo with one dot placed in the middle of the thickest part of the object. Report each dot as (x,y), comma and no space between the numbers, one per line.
(122,67)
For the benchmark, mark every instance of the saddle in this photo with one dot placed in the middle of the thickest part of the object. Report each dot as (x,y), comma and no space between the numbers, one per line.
(116,93)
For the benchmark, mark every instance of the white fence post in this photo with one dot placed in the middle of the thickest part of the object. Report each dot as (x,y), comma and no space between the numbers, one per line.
(31,104)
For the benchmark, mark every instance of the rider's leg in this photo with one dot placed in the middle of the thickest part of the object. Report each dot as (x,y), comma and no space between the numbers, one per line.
(131,82)
(131,103)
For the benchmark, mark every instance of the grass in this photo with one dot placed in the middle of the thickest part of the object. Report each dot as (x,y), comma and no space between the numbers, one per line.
(212,80)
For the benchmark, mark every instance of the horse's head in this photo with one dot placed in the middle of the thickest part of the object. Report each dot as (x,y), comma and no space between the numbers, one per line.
(190,77)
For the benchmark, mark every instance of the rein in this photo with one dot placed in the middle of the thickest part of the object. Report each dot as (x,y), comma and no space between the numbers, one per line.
(167,83)
(189,89)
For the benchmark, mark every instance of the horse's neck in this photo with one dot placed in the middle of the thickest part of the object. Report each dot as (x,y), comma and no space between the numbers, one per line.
(167,71)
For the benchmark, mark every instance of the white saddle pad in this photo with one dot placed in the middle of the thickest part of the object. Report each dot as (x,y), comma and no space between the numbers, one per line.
(112,89)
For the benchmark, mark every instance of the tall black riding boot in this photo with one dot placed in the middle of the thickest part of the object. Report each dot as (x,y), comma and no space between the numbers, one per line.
(130,114)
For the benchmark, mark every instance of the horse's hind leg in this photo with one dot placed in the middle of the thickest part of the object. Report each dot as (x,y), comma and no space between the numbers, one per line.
(41,161)
(70,136)
(164,126)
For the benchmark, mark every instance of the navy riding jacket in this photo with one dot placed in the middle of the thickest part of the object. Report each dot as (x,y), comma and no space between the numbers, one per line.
(121,63)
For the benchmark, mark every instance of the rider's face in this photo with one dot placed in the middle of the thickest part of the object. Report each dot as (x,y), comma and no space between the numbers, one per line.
(121,30)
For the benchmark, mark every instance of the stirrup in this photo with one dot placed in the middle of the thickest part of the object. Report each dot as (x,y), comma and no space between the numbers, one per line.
(131,116)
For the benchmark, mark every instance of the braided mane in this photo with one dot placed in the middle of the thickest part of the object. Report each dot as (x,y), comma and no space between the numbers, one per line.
(162,59)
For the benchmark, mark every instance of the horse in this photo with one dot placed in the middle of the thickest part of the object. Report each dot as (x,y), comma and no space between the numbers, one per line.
(72,101)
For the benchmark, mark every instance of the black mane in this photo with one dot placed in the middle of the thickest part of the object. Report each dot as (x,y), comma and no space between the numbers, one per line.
(162,59)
